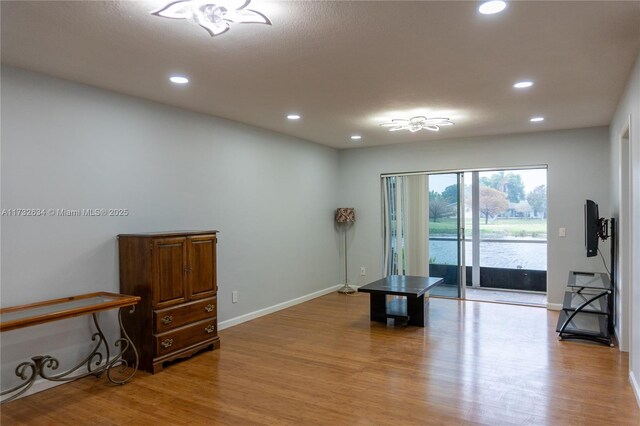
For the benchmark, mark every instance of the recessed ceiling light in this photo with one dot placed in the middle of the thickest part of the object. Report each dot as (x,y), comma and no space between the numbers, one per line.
(491,7)
(523,84)
(293,117)
(356,137)
(536,119)
(178,79)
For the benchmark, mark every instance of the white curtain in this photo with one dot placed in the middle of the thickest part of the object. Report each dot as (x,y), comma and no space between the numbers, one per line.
(406,220)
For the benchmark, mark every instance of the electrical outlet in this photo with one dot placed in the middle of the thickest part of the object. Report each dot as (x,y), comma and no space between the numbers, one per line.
(363,270)
(562,232)
(234,296)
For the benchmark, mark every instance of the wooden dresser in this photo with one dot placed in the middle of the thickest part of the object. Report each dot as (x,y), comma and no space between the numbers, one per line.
(175,275)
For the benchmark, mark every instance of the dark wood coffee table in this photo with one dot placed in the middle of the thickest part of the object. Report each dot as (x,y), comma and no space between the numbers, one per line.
(411,309)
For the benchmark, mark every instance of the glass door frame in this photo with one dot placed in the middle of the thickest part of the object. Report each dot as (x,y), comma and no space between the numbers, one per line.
(460,232)
(462,263)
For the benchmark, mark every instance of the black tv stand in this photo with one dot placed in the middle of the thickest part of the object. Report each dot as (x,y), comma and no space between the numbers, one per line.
(585,311)
(588,306)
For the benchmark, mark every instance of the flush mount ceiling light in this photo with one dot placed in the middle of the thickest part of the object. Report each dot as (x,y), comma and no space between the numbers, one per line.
(523,84)
(293,117)
(417,123)
(356,137)
(491,7)
(213,15)
(536,119)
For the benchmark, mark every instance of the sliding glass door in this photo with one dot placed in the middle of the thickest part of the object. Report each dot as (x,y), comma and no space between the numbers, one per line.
(446,233)
(500,213)
(423,228)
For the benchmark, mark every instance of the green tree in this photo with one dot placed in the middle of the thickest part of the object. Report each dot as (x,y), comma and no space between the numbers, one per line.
(496,181)
(438,206)
(509,183)
(492,202)
(450,194)
(537,199)
(515,188)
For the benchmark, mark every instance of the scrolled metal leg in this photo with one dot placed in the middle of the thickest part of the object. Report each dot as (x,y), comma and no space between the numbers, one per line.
(118,362)
(97,354)
(93,362)
(26,384)
(97,362)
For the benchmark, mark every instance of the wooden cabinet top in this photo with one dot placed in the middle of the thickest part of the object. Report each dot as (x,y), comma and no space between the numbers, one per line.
(168,234)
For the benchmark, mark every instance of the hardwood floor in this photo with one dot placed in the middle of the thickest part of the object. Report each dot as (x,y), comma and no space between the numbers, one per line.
(323,362)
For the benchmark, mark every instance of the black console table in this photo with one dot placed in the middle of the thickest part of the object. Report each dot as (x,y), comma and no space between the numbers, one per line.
(587,311)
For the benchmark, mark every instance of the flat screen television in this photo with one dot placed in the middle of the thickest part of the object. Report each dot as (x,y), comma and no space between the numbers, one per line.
(591,228)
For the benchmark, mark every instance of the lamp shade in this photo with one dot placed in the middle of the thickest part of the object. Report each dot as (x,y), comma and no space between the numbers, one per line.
(345,215)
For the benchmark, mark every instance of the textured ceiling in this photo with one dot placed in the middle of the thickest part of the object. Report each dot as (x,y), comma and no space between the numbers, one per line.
(345,66)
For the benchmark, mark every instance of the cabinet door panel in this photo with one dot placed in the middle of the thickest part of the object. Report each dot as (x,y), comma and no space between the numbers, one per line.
(202,266)
(170,263)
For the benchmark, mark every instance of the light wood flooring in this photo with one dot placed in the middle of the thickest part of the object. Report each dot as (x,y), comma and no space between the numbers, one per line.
(323,362)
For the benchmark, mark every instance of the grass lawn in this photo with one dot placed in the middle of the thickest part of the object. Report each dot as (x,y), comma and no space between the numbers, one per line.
(536,228)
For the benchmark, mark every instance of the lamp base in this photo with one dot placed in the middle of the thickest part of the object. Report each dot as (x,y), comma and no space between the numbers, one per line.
(346,289)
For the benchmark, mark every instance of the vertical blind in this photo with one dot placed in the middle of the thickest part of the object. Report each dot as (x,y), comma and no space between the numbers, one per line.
(405,227)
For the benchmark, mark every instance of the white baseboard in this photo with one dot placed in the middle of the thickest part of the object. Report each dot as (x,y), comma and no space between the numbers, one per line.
(635,387)
(38,386)
(622,345)
(554,306)
(275,308)
(41,384)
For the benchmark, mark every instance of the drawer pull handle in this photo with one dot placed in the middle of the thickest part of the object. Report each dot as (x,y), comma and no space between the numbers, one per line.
(209,308)
(167,343)
(210,329)
(167,319)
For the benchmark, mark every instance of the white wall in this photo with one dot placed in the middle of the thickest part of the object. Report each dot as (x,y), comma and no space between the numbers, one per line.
(70,146)
(578,168)
(628,115)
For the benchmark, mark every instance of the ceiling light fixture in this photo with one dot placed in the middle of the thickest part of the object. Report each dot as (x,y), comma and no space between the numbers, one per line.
(293,117)
(491,7)
(523,84)
(213,15)
(537,119)
(417,123)
(178,79)
(356,137)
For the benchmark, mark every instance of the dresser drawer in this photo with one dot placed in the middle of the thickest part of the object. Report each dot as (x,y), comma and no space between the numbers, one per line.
(177,316)
(186,336)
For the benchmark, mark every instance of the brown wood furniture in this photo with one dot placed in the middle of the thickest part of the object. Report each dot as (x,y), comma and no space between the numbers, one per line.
(175,274)
(99,359)
(411,308)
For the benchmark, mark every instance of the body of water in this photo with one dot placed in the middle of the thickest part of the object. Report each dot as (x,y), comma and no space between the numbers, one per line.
(515,255)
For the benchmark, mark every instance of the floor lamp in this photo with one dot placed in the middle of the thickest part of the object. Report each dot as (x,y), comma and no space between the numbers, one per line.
(344,217)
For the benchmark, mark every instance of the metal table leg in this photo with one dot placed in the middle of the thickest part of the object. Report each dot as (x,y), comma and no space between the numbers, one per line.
(96,362)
